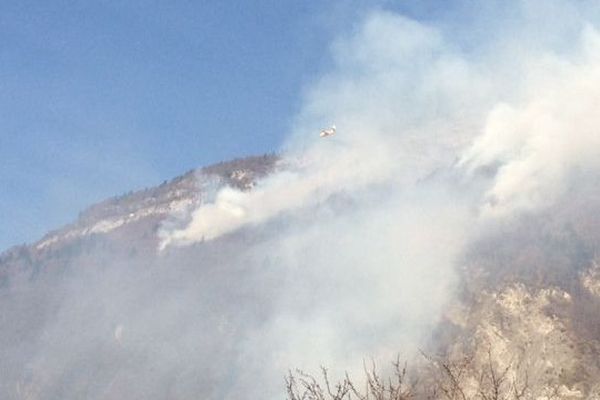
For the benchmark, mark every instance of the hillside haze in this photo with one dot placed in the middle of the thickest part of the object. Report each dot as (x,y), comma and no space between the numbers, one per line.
(93,309)
(96,310)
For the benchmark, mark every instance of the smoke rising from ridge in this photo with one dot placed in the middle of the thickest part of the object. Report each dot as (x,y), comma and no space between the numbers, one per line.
(407,105)
(419,118)
(349,250)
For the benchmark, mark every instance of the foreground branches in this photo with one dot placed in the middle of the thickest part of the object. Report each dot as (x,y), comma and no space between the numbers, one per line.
(303,386)
(438,378)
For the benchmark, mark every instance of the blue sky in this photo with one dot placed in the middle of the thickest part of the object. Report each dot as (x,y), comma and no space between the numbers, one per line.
(98,98)
(101,97)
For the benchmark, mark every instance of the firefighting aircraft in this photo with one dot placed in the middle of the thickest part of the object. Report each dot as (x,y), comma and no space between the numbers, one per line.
(327,132)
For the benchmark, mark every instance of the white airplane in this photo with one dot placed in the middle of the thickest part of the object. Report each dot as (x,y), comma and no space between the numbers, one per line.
(327,132)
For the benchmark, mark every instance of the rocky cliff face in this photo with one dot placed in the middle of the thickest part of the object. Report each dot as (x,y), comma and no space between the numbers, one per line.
(530,306)
(528,334)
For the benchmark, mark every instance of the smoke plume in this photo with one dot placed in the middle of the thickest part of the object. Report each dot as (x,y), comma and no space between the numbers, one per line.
(432,142)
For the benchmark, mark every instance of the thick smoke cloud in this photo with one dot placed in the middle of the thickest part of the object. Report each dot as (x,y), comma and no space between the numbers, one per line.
(349,250)
(539,140)
(418,121)
(402,103)
(363,229)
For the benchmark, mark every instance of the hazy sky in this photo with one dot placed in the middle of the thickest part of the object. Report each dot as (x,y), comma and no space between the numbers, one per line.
(101,97)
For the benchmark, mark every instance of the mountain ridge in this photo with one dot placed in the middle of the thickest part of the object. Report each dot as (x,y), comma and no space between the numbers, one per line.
(159,201)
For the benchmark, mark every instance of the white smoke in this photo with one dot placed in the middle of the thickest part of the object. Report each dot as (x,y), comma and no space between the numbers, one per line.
(307,185)
(417,119)
(537,141)
(403,104)
(363,285)
(364,235)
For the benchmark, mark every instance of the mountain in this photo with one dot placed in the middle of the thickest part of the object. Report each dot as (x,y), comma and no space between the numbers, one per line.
(95,310)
